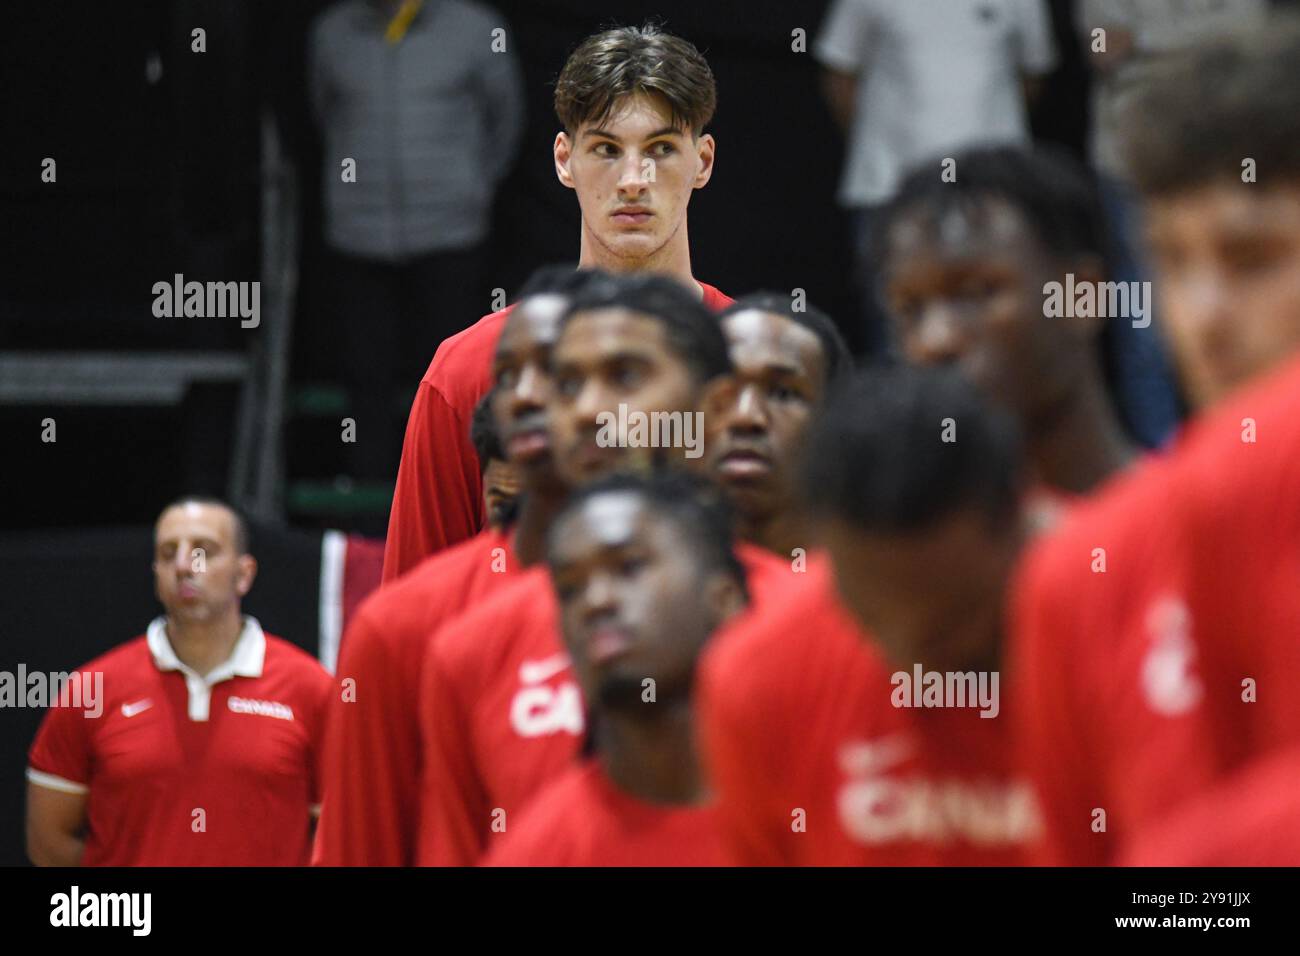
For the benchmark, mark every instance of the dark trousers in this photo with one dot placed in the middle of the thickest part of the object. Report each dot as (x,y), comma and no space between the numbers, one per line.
(392,317)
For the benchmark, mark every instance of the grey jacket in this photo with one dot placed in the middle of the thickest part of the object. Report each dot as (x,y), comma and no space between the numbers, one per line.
(433,122)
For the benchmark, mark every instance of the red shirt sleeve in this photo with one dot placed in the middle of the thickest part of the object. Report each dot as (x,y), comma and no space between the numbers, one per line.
(62,747)
(371,748)
(438,500)
(454,808)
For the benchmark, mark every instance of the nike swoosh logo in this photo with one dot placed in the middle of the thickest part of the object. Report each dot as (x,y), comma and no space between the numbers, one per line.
(534,672)
(130,710)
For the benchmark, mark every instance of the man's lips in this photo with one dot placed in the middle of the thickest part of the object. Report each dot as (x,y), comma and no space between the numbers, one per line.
(187,590)
(744,463)
(632,215)
(527,445)
(607,643)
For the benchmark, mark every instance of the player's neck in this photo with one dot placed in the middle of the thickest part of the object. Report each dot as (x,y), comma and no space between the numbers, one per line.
(652,759)
(1083,445)
(672,260)
(202,646)
(780,532)
(536,512)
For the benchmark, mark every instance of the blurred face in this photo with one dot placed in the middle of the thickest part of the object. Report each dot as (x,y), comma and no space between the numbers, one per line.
(521,378)
(934,598)
(500,489)
(198,574)
(967,290)
(755,420)
(634,176)
(604,358)
(1227,262)
(633,601)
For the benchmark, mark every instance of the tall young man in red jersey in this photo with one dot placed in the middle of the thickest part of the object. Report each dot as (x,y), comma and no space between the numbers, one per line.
(831,747)
(644,572)
(373,754)
(203,749)
(633,103)
(1142,618)
(964,265)
(504,713)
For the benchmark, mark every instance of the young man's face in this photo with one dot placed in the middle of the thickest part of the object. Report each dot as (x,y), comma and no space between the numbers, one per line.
(934,597)
(1227,261)
(967,290)
(198,573)
(634,176)
(756,420)
(633,602)
(605,358)
(521,377)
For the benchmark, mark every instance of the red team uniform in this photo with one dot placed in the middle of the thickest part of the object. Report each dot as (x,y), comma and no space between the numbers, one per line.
(242,746)
(583,819)
(373,752)
(438,500)
(1134,679)
(503,714)
(814,765)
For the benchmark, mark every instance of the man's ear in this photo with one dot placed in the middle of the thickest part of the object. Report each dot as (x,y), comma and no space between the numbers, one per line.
(707,147)
(247,573)
(562,150)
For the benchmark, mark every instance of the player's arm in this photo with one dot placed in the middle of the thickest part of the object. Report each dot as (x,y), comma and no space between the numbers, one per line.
(438,498)
(56,825)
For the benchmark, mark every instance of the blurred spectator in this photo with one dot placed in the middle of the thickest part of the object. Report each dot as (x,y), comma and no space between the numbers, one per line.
(1124,40)
(424,98)
(907,81)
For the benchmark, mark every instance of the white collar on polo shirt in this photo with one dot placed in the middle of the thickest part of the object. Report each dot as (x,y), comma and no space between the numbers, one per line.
(245,660)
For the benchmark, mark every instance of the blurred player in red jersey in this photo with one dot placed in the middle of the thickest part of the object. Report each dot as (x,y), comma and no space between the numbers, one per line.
(755,424)
(205,747)
(831,747)
(644,572)
(633,103)
(1140,622)
(373,753)
(504,713)
(964,268)
(500,481)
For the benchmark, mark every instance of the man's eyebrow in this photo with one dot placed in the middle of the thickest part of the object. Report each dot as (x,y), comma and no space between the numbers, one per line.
(606,134)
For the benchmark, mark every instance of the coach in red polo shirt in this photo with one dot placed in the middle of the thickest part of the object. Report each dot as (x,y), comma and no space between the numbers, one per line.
(202,748)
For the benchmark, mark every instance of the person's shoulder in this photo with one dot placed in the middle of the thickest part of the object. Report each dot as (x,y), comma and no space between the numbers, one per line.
(490,627)
(467,352)
(545,833)
(284,655)
(130,655)
(714,299)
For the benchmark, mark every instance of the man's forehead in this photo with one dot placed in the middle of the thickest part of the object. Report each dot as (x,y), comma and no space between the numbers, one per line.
(636,116)
(194,518)
(535,321)
(606,521)
(758,337)
(980,226)
(599,332)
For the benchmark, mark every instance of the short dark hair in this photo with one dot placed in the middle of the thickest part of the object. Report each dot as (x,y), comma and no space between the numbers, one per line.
(483,433)
(697,507)
(556,280)
(243,535)
(692,331)
(878,460)
(838,361)
(1055,194)
(1201,111)
(624,61)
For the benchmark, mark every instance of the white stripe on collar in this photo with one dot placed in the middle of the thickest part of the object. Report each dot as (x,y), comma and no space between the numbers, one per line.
(246,660)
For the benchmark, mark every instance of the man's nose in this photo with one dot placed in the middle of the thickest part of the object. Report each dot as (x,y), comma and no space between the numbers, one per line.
(749,412)
(532,389)
(632,180)
(939,338)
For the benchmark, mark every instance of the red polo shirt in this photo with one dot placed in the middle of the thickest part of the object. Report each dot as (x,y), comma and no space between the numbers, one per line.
(182,770)
(438,500)
(583,819)
(502,713)
(372,748)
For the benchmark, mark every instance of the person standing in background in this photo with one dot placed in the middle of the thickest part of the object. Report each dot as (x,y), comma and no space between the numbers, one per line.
(420,106)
